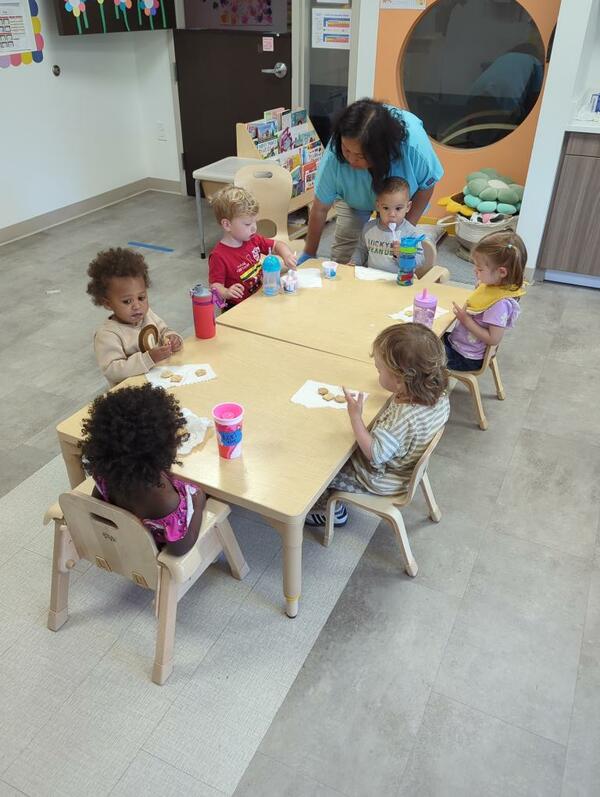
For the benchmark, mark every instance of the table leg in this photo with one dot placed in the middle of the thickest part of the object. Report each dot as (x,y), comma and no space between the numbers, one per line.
(291,532)
(72,457)
(199,216)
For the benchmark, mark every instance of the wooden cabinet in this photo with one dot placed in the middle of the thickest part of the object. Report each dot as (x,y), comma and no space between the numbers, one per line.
(572,236)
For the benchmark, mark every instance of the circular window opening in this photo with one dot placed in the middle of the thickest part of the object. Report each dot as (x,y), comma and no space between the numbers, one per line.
(472,70)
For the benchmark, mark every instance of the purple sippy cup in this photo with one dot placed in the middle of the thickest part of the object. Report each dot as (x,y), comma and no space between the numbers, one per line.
(424,307)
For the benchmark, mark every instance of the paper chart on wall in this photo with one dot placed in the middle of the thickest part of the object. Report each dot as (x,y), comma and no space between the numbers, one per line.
(16,28)
(331,28)
(419,5)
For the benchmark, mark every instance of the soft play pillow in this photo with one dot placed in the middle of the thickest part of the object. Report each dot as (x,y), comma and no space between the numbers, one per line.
(487,191)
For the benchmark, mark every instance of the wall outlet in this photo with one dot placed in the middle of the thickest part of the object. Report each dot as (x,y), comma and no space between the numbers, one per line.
(161,131)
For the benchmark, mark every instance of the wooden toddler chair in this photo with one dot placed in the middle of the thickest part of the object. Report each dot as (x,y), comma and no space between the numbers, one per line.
(271,185)
(469,378)
(387,506)
(117,541)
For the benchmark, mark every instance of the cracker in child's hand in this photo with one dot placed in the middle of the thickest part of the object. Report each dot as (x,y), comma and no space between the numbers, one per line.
(323,390)
(176,378)
(341,399)
(201,372)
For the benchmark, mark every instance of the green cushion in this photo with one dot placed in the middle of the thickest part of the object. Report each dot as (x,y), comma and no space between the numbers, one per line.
(508,196)
(518,189)
(504,207)
(475,187)
(489,194)
(486,207)
(477,176)
(472,201)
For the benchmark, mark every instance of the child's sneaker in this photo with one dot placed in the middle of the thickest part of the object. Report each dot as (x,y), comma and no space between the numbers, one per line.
(320,518)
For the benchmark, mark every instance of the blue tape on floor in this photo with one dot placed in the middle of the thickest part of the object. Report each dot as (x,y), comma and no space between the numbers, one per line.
(150,246)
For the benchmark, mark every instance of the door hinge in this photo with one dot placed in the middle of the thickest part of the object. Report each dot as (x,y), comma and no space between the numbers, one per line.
(183,161)
(175,72)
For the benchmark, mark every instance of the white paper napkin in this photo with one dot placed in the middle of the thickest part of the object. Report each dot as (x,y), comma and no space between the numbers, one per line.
(188,372)
(309,278)
(197,428)
(406,315)
(371,274)
(309,396)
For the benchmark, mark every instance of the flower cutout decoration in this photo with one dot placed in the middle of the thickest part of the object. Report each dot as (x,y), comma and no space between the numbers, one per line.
(76,7)
(149,7)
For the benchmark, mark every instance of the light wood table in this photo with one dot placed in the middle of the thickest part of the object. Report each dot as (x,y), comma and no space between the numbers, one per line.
(343,317)
(290,452)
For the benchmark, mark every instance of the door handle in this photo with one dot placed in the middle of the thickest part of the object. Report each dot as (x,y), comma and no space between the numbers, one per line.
(279,70)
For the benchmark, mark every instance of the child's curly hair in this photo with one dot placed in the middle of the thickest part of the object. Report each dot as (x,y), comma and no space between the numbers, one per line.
(111,263)
(416,354)
(131,437)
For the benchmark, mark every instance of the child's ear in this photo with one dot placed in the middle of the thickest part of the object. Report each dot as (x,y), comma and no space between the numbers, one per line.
(226,225)
(502,272)
(408,205)
(106,304)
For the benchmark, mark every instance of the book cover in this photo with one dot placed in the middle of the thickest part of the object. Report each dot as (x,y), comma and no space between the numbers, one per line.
(274,114)
(309,171)
(267,148)
(286,141)
(286,119)
(299,117)
(266,129)
(251,127)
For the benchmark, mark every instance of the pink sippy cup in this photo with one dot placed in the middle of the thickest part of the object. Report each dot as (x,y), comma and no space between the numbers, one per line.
(424,307)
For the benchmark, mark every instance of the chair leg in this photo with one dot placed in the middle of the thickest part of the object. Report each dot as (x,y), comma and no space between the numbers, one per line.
(58,613)
(329,527)
(397,523)
(473,385)
(233,553)
(434,510)
(496,374)
(165,636)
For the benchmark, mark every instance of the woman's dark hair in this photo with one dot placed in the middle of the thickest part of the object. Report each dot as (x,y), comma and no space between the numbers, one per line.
(131,437)
(379,132)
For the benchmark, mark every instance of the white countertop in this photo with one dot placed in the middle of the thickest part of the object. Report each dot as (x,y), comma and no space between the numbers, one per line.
(577,126)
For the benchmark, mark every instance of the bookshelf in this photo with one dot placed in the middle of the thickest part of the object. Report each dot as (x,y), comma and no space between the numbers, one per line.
(246,148)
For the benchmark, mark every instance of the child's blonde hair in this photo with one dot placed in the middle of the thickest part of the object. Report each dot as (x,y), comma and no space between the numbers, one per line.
(416,354)
(231,202)
(504,250)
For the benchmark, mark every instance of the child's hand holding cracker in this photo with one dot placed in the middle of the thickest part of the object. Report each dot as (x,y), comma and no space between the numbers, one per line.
(355,402)
(159,353)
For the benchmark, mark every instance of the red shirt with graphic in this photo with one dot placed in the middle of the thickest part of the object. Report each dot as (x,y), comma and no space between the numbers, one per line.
(230,265)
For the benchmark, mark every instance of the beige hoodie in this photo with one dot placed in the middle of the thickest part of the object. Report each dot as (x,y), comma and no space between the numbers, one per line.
(117,347)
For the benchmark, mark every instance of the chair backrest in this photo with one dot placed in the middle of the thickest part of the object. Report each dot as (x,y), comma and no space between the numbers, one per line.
(490,351)
(421,465)
(271,185)
(111,538)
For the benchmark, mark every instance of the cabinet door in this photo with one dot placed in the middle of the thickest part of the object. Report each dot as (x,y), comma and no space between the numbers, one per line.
(572,237)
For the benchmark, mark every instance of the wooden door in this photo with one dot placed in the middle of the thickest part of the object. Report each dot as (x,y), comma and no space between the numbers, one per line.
(220,83)
(572,237)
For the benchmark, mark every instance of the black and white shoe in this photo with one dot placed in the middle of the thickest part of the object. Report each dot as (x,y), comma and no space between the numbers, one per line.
(320,518)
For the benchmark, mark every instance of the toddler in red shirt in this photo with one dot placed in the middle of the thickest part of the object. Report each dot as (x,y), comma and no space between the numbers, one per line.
(234,267)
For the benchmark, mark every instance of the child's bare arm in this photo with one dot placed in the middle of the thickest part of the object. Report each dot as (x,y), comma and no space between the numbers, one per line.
(361,433)
(490,336)
(234,292)
(185,544)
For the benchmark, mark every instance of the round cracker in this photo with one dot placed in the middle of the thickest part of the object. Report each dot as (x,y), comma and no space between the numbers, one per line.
(323,391)
(340,398)
(328,396)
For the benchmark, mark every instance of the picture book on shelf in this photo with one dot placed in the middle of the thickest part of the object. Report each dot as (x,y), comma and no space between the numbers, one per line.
(309,171)
(266,130)
(298,117)
(267,148)
(286,141)
(275,114)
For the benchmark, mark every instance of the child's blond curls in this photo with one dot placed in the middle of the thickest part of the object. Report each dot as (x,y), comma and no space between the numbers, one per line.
(504,250)
(415,354)
(231,202)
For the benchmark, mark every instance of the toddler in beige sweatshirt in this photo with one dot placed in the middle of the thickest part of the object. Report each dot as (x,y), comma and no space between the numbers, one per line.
(133,338)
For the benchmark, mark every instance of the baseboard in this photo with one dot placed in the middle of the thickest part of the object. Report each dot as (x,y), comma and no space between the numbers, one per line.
(59,216)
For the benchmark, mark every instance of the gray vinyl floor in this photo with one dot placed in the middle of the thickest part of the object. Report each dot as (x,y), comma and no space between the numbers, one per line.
(479,677)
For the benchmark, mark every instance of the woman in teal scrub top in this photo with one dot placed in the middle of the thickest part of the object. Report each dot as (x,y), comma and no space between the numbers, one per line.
(370,141)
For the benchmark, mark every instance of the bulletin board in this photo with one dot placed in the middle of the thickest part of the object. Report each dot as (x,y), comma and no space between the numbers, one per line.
(81,17)
(21,40)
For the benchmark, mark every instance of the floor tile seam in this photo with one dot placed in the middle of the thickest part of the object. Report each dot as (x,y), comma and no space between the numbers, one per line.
(452,698)
(299,768)
(567,746)
(186,772)
(582,557)
(6,783)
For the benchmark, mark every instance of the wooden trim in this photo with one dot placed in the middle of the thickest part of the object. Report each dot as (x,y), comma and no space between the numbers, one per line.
(70,212)
(583,144)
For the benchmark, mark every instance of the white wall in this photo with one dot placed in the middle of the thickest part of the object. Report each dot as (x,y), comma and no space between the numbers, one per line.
(68,138)
(560,94)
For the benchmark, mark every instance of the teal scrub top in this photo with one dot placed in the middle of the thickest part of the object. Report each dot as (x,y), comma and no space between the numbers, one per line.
(419,166)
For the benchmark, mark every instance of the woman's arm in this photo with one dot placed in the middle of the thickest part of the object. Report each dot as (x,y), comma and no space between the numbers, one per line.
(185,544)
(420,200)
(316,223)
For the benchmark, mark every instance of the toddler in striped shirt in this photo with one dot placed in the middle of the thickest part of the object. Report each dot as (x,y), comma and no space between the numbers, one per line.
(411,362)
